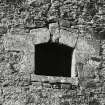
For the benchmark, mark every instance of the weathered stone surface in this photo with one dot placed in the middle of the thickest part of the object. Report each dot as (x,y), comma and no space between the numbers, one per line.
(23,29)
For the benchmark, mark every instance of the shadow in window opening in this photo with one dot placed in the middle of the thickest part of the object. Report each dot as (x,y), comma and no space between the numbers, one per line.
(53,59)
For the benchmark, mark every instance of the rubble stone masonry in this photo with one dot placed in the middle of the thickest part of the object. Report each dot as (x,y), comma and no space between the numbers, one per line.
(23,27)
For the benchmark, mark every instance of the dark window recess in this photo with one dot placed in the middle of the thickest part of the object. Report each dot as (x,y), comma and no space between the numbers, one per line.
(53,59)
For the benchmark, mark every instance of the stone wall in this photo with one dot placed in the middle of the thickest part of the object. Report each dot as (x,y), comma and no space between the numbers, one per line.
(17,86)
(17,51)
(25,43)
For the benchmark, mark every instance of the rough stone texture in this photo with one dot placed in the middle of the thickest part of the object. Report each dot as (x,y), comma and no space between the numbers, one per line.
(23,27)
